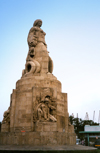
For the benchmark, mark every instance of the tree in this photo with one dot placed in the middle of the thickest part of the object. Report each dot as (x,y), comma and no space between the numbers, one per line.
(79,125)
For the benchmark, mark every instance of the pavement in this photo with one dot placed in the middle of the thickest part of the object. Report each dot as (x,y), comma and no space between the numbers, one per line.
(45,148)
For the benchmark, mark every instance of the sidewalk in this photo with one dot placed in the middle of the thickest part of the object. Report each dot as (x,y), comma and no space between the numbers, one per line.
(63,147)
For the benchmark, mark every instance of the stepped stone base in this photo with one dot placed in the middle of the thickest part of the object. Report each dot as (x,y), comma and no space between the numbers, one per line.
(37,138)
(45,133)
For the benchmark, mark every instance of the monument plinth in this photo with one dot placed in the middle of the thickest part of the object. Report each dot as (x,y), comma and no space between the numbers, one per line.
(38,112)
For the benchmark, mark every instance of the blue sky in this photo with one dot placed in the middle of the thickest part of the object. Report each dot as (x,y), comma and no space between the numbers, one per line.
(73,38)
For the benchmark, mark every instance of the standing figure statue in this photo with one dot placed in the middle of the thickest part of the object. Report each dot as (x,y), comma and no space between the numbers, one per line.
(36,34)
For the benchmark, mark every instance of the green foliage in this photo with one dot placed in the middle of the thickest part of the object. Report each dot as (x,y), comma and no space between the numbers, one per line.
(79,125)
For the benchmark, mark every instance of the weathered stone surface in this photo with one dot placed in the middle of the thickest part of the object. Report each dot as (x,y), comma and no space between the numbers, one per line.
(38,112)
(37,138)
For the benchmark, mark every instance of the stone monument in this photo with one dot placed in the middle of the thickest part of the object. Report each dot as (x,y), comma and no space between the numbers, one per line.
(38,112)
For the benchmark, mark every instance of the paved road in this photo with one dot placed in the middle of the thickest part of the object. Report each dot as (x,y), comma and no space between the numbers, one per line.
(63,147)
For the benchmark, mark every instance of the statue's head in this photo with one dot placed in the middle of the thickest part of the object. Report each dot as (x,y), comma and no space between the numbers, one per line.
(37,23)
(46,100)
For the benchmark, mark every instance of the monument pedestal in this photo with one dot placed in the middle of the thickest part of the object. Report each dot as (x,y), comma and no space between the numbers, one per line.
(5,127)
(37,138)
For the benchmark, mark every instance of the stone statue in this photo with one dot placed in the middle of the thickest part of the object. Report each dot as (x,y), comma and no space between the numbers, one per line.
(36,34)
(43,111)
(35,63)
(31,54)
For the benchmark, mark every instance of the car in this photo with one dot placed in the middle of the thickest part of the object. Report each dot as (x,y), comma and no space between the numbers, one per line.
(77,141)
